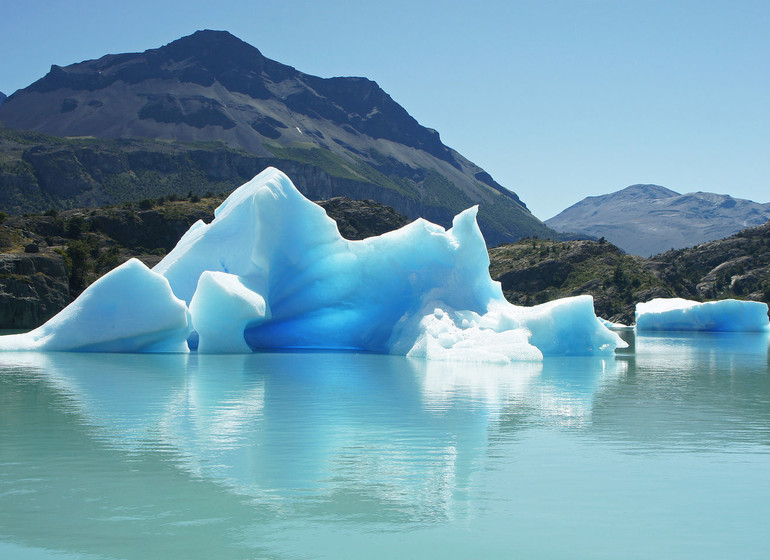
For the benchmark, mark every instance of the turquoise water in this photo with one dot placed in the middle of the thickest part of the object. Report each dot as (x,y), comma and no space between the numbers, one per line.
(663,452)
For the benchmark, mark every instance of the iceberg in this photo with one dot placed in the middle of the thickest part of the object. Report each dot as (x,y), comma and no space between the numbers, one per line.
(271,271)
(676,314)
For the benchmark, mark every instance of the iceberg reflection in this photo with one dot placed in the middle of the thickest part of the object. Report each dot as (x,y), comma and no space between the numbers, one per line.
(290,426)
(721,376)
(243,456)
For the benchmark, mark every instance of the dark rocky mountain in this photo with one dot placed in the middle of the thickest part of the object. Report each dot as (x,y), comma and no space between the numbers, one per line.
(649,219)
(211,86)
(33,288)
(359,219)
(3,97)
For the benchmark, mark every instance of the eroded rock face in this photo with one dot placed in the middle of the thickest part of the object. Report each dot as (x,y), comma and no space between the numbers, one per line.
(33,288)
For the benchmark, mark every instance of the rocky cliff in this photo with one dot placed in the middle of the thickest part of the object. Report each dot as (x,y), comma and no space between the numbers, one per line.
(535,271)
(737,266)
(33,288)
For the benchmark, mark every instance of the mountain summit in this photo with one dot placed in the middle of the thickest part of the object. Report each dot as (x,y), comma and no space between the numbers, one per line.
(649,219)
(212,86)
(219,60)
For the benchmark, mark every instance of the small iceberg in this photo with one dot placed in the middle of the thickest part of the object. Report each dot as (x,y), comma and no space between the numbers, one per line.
(272,271)
(676,314)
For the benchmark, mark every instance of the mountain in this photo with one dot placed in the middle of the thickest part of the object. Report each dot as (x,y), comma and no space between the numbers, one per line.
(649,219)
(3,97)
(213,87)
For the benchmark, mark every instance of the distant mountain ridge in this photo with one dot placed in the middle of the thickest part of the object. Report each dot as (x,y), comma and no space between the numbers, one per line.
(3,97)
(649,219)
(211,86)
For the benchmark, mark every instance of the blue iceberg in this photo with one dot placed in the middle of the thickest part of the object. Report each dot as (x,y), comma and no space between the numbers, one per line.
(272,271)
(676,314)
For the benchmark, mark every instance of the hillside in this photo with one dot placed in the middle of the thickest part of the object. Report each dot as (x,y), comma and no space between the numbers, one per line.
(649,219)
(534,271)
(345,136)
(738,266)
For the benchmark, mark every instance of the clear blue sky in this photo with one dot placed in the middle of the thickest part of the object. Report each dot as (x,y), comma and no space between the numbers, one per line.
(557,100)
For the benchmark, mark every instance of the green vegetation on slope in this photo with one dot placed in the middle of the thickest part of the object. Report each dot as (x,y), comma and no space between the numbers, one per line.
(734,267)
(534,271)
(40,172)
(93,242)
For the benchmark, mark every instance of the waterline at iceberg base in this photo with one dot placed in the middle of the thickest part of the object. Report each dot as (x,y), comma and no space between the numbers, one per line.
(272,271)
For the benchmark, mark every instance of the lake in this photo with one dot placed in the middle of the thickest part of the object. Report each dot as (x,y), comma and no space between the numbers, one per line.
(662,451)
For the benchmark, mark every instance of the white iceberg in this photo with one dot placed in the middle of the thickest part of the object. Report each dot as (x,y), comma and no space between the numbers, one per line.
(676,314)
(272,271)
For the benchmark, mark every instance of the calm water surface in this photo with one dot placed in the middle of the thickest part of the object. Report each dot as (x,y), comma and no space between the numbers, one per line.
(663,452)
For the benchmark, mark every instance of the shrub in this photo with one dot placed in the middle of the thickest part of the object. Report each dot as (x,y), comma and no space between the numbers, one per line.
(108,259)
(75,226)
(77,258)
(6,241)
